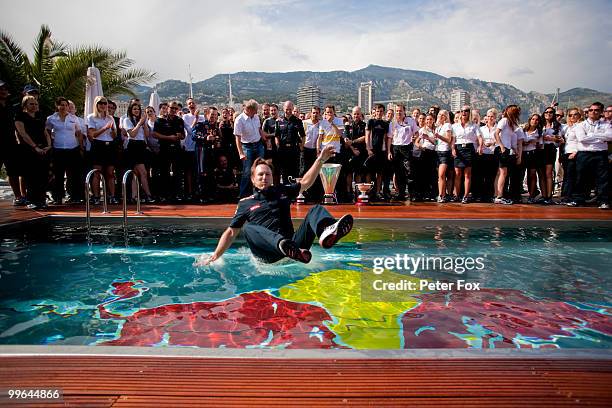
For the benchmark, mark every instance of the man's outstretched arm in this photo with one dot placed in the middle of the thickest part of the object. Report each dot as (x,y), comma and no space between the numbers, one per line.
(226,240)
(311,175)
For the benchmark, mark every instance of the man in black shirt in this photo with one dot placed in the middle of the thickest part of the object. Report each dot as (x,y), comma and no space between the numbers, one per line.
(289,135)
(9,150)
(228,140)
(267,215)
(354,147)
(207,138)
(376,134)
(269,128)
(170,130)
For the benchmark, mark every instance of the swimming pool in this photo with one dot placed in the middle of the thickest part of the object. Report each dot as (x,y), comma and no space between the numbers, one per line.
(542,285)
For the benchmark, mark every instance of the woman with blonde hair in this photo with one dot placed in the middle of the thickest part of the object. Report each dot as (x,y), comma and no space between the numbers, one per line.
(35,143)
(486,162)
(569,157)
(467,141)
(444,140)
(101,131)
(505,138)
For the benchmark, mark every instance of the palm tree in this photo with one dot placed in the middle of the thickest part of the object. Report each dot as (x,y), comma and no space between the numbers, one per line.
(57,69)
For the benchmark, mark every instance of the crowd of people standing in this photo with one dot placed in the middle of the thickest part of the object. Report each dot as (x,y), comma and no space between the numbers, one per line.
(192,154)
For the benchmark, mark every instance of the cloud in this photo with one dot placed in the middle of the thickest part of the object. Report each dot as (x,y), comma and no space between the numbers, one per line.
(294,54)
(492,41)
(520,71)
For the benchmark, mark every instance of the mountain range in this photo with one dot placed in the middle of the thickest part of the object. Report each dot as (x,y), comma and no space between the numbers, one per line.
(341,87)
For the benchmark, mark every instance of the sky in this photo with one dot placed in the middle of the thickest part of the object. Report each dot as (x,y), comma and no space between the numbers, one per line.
(535,45)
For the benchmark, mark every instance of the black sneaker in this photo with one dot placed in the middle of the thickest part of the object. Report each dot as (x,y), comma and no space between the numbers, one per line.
(290,249)
(336,231)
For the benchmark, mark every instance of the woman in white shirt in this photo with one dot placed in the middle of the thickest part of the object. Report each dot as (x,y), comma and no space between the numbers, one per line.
(444,139)
(101,131)
(65,130)
(137,128)
(533,139)
(487,161)
(427,142)
(467,138)
(552,133)
(569,157)
(504,136)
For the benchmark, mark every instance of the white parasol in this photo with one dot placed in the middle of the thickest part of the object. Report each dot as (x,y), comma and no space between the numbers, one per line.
(93,88)
(154,100)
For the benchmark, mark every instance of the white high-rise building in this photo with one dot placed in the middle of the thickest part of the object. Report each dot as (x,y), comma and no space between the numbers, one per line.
(307,97)
(366,97)
(459,97)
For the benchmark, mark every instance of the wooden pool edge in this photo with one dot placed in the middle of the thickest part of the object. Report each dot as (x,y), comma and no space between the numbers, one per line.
(196,352)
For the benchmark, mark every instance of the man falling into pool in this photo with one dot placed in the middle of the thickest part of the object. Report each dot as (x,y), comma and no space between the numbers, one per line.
(265,218)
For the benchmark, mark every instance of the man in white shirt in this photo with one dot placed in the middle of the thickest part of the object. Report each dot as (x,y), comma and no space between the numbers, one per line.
(593,135)
(249,136)
(189,120)
(402,132)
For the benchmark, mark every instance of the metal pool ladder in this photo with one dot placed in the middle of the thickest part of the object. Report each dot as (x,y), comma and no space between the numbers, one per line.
(124,190)
(87,204)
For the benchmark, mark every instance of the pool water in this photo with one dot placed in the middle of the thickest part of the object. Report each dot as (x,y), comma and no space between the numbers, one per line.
(542,286)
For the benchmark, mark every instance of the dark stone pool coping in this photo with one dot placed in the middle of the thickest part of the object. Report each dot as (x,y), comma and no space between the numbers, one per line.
(584,354)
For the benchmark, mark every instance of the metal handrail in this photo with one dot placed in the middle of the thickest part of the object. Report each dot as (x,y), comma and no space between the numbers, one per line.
(87,204)
(124,190)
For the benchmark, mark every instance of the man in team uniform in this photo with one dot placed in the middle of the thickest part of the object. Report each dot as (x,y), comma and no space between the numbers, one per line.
(265,218)
(376,134)
(289,135)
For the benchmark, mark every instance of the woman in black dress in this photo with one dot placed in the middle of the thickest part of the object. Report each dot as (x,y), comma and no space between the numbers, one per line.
(35,144)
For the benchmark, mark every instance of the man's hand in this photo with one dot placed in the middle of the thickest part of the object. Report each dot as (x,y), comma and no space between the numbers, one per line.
(326,153)
(204,260)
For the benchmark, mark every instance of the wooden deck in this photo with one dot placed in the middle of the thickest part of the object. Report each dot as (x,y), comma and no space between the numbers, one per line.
(177,381)
(9,214)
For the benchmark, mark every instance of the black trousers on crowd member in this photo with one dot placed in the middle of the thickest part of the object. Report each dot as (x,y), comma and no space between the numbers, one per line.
(487,165)
(154,168)
(203,164)
(592,165)
(36,175)
(288,162)
(427,174)
(70,163)
(264,242)
(315,192)
(569,176)
(402,169)
(170,161)
(517,176)
(510,186)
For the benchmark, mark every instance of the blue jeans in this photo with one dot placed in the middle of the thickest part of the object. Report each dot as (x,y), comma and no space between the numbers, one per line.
(252,152)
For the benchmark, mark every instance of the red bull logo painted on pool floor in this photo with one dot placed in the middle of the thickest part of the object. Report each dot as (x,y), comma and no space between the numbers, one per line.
(314,313)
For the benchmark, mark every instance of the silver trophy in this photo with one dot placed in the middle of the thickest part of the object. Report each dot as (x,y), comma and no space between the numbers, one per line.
(329,177)
(364,189)
(301,199)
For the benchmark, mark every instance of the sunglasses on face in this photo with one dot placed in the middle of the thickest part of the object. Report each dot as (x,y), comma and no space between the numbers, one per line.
(574,114)
(102,103)
(549,112)
(174,108)
(465,111)
(594,110)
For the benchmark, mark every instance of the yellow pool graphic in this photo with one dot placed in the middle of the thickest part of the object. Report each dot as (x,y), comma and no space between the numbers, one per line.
(358,324)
